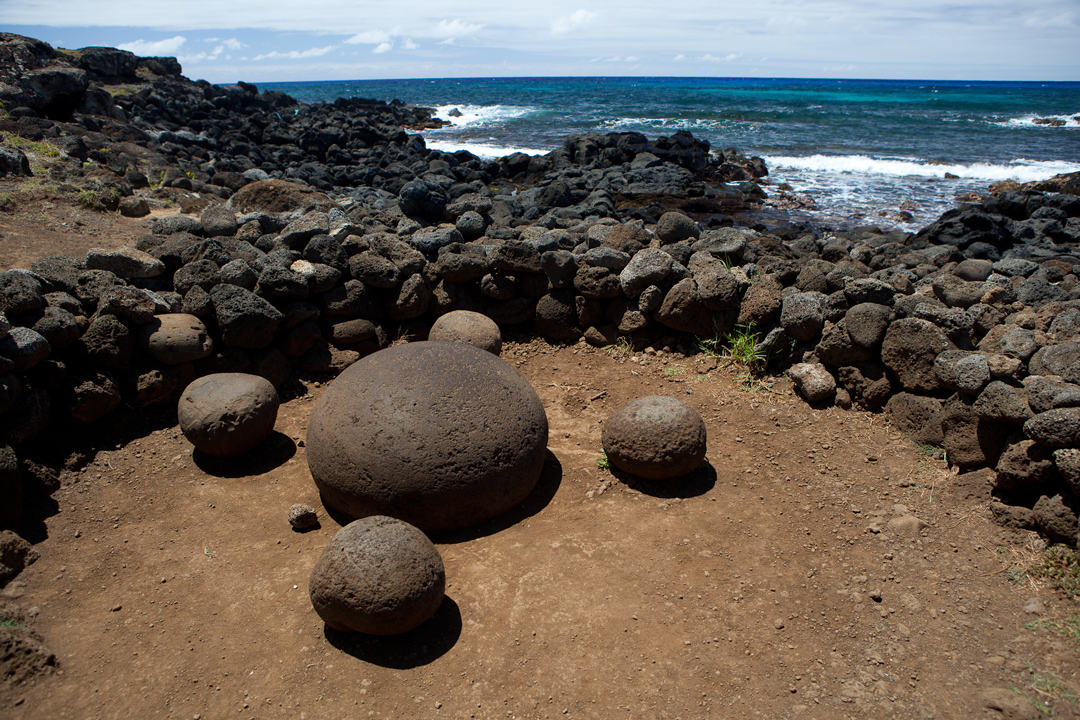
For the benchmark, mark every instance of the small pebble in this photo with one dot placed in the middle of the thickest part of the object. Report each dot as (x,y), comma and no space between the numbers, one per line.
(302,517)
(778,624)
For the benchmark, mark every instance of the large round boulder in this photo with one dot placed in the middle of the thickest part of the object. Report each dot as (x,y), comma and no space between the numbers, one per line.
(468,327)
(377,575)
(655,438)
(228,414)
(441,435)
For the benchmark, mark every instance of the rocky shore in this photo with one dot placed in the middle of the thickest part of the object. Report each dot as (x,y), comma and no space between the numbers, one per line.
(314,235)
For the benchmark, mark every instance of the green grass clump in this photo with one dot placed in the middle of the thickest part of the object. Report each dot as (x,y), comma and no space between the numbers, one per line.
(602,462)
(1060,567)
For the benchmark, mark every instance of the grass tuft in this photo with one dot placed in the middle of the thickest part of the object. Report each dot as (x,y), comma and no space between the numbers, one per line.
(1059,566)
(602,462)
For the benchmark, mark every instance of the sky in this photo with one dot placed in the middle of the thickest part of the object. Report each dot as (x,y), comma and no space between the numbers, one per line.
(225,41)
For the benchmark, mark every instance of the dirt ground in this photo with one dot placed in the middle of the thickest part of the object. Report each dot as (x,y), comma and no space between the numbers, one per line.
(770,584)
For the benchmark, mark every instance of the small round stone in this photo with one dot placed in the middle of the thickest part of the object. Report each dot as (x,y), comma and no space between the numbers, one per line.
(377,575)
(228,414)
(655,438)
(468,327)
(174,338)
(302,517)
(442,435)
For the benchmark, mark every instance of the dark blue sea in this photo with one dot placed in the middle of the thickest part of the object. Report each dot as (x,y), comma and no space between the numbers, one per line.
(860,148)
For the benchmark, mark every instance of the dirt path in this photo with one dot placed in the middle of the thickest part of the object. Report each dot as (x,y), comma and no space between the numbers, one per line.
(770,586)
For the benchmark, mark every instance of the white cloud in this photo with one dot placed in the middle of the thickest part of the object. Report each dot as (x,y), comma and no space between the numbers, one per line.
(408,44)
(680,57)
(730,57)
(450,30)
(567,23)
(150,48)
(1047,21)
(296,54)
(383,47)
(369,37)
(233,44)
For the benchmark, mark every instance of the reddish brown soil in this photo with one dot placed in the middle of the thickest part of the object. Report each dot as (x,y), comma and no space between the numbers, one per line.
(769,585)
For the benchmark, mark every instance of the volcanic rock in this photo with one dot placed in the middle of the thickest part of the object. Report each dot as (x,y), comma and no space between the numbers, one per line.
(442,435)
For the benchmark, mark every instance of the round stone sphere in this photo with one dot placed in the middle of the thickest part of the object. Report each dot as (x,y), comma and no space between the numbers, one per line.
(441,435)
(228,414)
(379,576)
(468,327)
(655,437)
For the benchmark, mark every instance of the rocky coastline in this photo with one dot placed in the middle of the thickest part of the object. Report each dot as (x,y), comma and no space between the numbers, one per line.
(314,235)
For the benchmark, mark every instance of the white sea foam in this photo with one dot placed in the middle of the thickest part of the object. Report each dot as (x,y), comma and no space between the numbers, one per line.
(700,125)
(481,114)
(480,149)
(1020,170)
(1050,122)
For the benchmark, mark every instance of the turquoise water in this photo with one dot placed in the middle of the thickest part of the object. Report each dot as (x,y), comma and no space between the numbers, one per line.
(859,147)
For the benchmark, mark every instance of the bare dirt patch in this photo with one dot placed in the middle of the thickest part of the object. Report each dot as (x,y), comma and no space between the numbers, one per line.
(770,584)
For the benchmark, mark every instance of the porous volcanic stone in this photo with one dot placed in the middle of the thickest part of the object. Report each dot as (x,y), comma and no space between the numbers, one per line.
(441,435)
(302,517)
(379,576)
(655,438)
(468,327)
(227,414)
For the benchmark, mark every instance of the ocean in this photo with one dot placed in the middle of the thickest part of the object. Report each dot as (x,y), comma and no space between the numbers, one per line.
(862,149)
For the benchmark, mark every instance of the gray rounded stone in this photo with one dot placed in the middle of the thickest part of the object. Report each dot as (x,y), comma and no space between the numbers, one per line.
(442,435)
(379,576)
(674,226)
(468,327)
(175,338)
(814,381)
(228,414)
(655,437)
(1057,428)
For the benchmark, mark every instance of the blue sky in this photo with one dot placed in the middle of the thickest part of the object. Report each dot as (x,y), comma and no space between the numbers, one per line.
(284,40)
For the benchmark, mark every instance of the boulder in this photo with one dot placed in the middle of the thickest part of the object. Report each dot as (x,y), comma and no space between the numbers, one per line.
(442,435)
(813,381)
(762,303)
(468,327)
(1062,359)
(1003,403)
(909,350)
(1056,520)
(125,262)
(866,324)
(1022,464)
(801,316)
(228,414)
(175,338)
(1067,461)
(377,575)
(647,267)
(557,318)
(1057,428)
(655,437)
(245,319)
(674,227)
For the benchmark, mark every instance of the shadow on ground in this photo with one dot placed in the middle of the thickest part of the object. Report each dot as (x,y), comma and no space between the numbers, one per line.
(272,453)
(692,484)
(422,645)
